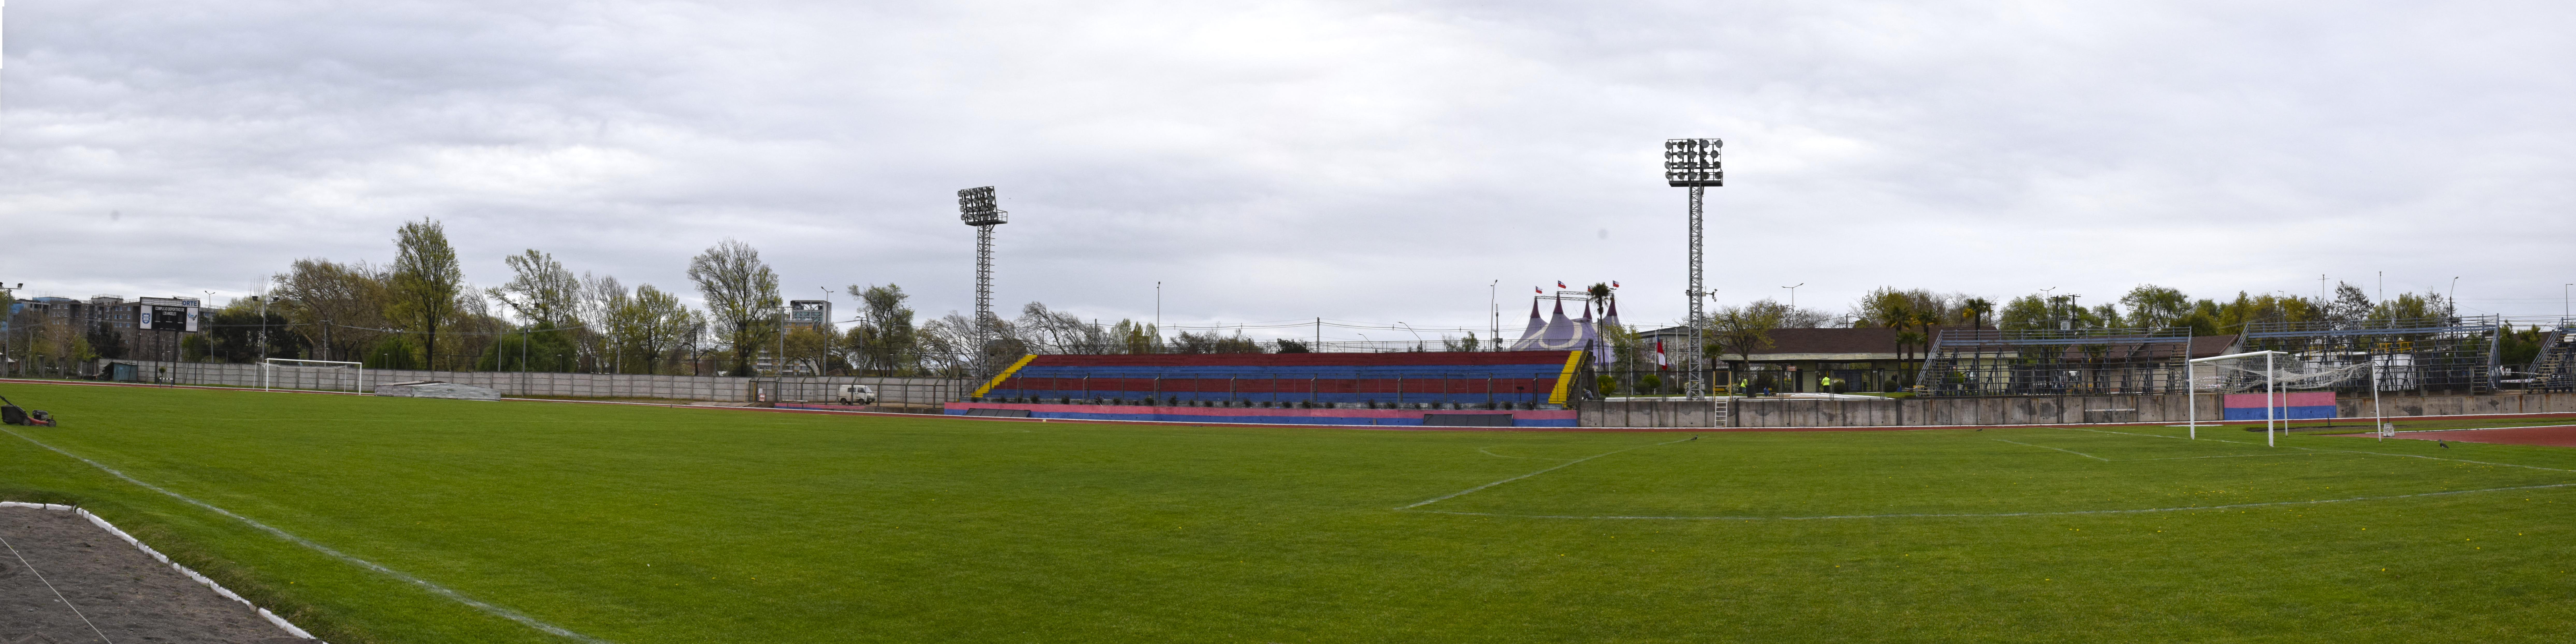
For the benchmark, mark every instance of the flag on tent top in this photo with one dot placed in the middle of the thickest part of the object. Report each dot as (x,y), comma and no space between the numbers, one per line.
(1538,290)
(1560,284)
(1614,283)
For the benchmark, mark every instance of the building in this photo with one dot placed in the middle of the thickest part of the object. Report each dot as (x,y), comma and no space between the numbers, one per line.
(150,328)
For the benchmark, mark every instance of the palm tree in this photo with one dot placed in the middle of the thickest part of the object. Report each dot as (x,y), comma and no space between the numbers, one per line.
(1975,310)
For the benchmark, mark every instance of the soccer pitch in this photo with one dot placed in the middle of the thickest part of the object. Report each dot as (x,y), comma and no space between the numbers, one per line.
(636,524)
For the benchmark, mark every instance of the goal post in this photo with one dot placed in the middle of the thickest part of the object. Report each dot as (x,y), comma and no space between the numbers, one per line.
(2279,372)
(323,375)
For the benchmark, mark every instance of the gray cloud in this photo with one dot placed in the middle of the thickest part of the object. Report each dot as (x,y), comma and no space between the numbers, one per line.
(1362,161)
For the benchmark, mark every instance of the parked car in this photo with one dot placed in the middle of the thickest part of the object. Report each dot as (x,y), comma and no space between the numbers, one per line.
(858,395)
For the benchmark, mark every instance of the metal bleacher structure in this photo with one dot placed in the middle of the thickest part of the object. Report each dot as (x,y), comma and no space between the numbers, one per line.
(2423,355)
(2555,368)
(1997,362)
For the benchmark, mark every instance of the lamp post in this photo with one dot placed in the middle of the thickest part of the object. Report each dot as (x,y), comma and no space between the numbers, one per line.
(1793,296)
(1694,164)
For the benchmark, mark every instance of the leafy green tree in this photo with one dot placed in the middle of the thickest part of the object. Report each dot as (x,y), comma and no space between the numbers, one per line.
(395,351)
(2155,307)
(2025,313)
(539,347)
(1742,330)
(426,281)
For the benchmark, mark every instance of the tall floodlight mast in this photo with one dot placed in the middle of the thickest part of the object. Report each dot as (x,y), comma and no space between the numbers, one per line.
(1693,163)
(976,207)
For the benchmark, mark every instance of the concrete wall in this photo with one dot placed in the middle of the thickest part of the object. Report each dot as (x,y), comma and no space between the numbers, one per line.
(2033,410)
(907,392)
(1651,413)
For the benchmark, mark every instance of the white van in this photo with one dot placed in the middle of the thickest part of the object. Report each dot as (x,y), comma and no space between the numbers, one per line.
(858,395)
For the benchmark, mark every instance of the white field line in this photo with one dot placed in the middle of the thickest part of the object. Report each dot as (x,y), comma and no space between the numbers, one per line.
(2345,451)
(1488,452)
(2105,431)
(1556,467)
(496,611)
(2177,458)
(2069,451)
(1933,515)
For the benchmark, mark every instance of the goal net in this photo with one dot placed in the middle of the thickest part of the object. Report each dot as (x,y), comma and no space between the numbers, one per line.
(2251,374)
(312,375)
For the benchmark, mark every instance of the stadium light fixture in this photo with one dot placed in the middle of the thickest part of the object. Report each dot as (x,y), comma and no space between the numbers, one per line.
(977,207)
(1694,164)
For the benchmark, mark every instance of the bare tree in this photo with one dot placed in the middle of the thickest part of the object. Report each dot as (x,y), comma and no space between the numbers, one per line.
(427,282)
(1742,330)
(540,289)
(742,297)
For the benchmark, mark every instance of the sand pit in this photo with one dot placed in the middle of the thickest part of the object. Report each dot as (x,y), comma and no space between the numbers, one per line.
(64,580)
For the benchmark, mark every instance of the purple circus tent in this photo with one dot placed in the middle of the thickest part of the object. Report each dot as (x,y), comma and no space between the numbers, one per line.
(1530,335)
(1609,321)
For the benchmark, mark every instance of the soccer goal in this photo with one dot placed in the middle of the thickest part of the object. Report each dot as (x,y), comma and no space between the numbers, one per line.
(312,375)
(2278,377)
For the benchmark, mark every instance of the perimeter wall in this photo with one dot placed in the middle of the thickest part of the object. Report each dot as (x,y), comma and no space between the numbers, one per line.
(894,392)
(2031,410)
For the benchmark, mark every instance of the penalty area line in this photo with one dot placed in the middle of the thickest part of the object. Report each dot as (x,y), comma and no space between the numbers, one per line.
(1558,466)
(290,537)
(1936,515)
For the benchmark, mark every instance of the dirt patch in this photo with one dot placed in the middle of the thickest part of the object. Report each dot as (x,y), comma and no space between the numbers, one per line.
(2552,435)
(54,556)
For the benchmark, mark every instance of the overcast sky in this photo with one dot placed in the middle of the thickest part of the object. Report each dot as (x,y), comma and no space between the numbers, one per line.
(1284,160)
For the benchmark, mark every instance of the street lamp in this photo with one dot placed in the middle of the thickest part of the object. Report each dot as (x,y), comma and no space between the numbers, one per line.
(1694,164)
(1793,296)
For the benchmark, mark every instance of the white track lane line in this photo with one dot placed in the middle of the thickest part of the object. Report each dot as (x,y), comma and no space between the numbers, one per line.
(1932,515)
(496,611)
(2069,451)
(1558,466)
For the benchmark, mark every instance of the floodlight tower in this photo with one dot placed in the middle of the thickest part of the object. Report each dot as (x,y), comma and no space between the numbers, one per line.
(976,207)
(1693,163)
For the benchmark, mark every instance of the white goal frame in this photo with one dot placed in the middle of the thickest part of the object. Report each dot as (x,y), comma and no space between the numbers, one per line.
(270,365)
(2271,396)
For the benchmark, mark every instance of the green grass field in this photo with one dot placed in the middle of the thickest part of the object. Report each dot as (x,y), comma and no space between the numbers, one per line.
(635,524)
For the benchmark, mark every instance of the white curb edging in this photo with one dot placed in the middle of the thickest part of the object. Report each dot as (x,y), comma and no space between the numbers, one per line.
(183,570)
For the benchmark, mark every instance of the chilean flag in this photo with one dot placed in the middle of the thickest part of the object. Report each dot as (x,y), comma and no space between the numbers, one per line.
(1660,362)
(1538,290)
(1614,283)
(1560,284)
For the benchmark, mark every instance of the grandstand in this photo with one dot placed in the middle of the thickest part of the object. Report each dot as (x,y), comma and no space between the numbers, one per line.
(2424,355)
(1993,362)
(2555,368)
(1517,388)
